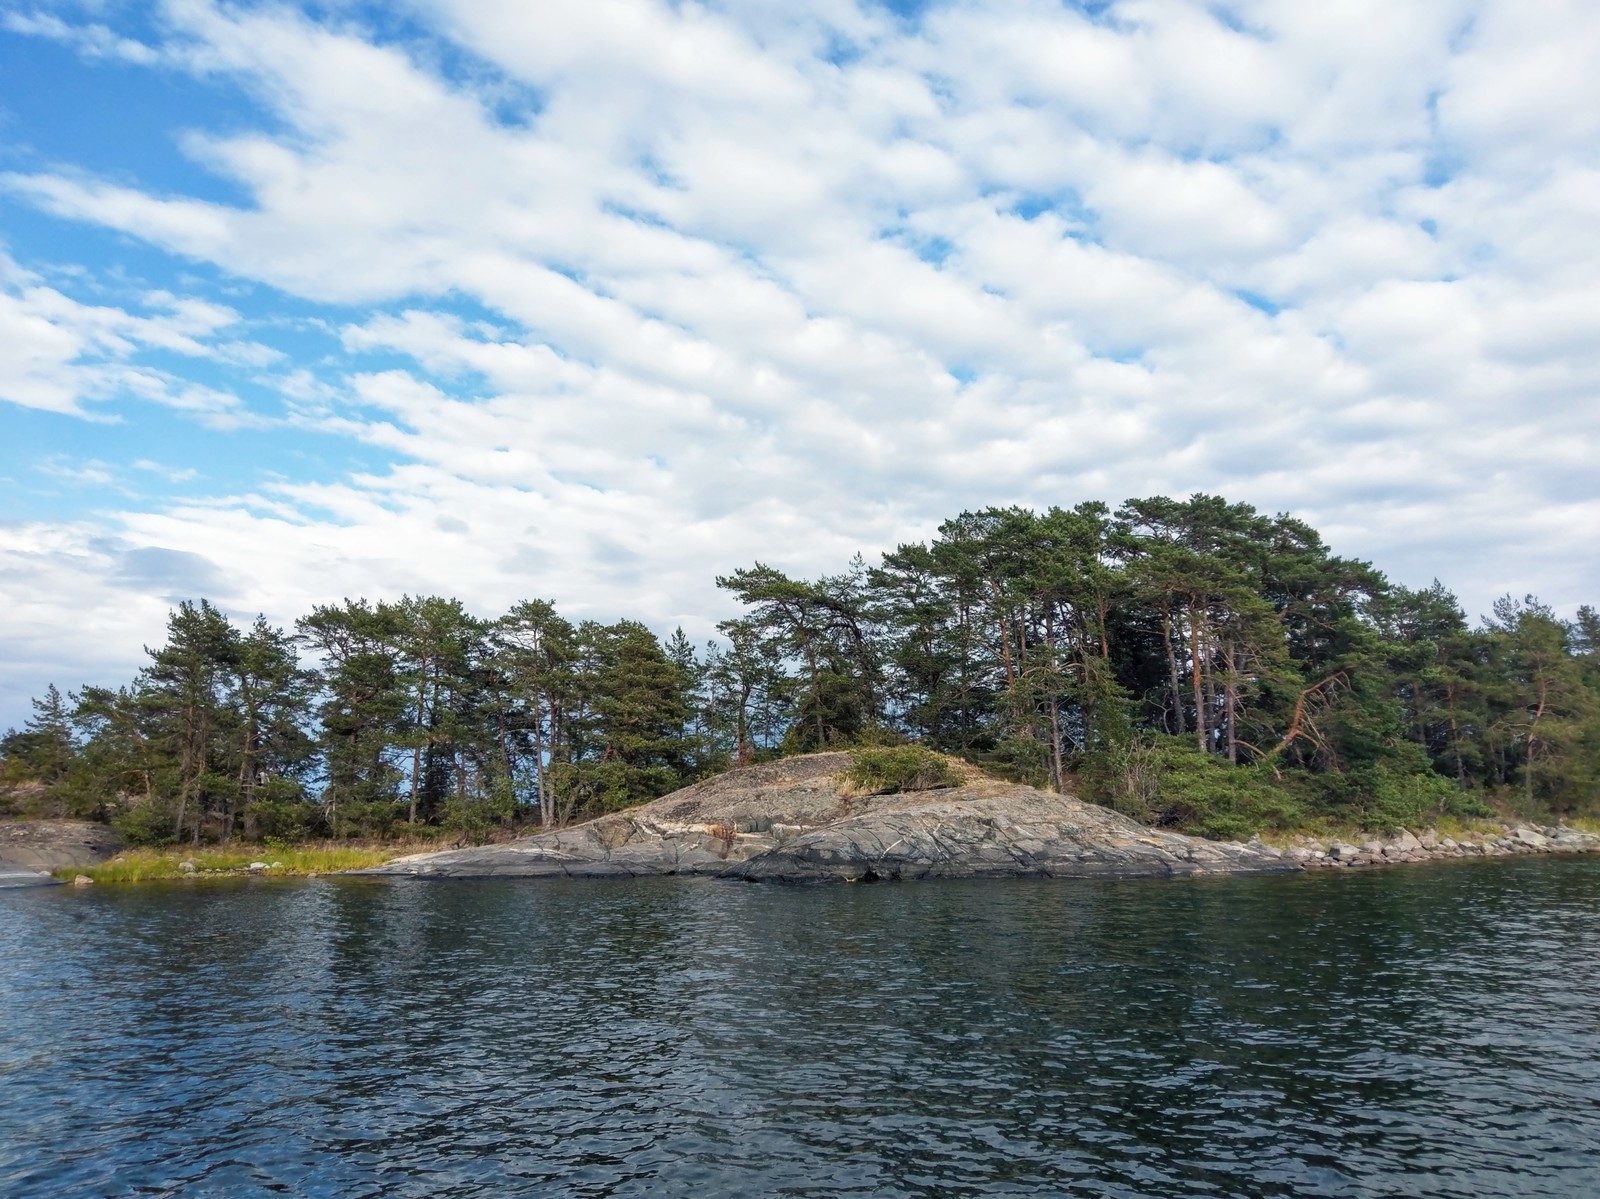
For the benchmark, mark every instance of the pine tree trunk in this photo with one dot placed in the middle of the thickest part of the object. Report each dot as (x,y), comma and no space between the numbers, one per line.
(1231,706)
(416,750)
(1199,686)
(1172,672)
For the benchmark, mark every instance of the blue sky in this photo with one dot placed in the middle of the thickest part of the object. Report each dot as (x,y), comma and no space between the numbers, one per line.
(594,302)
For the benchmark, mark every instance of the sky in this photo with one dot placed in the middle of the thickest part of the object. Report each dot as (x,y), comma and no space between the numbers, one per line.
(594,302)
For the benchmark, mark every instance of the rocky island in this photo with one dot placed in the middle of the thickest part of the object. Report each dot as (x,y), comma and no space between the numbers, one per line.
(802,820)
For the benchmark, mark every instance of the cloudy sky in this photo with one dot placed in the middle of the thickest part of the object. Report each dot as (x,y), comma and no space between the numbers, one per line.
(500,298)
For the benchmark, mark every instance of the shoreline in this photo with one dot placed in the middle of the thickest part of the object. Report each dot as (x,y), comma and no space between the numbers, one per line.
(1290,852)
(1522,839)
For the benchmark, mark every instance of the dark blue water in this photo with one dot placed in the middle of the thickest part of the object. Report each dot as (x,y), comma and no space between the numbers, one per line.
(1430,1031)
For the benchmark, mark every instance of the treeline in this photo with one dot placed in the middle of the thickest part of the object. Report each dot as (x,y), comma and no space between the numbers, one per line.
(1194,663)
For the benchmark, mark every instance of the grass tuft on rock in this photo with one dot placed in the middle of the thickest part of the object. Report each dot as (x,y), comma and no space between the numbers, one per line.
(884,769)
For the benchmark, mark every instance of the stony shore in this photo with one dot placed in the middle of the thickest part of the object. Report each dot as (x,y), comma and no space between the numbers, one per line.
(1427,846)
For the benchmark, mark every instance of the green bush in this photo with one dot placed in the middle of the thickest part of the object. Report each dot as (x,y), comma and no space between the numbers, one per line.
(1167,781)
(144,824)
(878,770)
(472,821)
(365,817)
(281,818)
(1385,800)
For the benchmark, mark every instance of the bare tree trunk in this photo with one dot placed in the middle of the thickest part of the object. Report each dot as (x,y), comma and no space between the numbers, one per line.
(1172,673)
(1199,688)
(183,772)
(1208,655)
(1057,771)
(199,785)
(247,780)
(1231,706)
(1533,726)
(1455,734)
(416,750)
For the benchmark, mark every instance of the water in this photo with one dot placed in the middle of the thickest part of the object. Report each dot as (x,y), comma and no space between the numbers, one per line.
(1430,1031)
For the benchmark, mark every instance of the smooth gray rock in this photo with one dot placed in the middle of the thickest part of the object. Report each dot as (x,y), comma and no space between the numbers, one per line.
(31,849)
(20,876)
(32,846)
(795,821)
(1012,832)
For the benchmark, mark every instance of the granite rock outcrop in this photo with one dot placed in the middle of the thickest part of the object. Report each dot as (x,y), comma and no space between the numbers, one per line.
(798,820)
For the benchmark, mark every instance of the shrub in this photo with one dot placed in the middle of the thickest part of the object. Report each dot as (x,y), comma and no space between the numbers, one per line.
(471,820)
(1168,781)
(275,818)
(144,824)
(1385,800)
(879,770)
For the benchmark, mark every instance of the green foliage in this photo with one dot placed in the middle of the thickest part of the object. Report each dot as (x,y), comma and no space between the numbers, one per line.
(876,770)
(1384,800)
(1168,781)
(471,820)
(1190,661)
(144,824)
(280,815)
(366,818)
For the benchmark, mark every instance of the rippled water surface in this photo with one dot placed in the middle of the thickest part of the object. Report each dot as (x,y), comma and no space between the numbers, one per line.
(1425,1031)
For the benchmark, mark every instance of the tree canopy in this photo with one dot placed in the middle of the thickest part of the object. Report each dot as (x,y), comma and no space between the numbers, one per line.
(1192,662)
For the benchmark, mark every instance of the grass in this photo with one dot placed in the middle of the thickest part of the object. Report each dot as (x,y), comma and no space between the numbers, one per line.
(876,770)
(154,865)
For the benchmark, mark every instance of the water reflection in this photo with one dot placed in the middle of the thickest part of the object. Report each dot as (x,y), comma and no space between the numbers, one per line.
(1432,1031)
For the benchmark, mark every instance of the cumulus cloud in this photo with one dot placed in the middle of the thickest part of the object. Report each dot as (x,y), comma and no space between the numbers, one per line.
(634,293)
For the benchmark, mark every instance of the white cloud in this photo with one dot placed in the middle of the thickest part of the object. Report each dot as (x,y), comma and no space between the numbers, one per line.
(654,290)
(61,355)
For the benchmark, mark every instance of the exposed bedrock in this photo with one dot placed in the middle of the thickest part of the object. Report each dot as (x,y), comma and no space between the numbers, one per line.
(30,849)
(796,820)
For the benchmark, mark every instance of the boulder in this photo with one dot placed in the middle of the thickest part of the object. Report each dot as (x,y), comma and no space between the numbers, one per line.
(1523,835)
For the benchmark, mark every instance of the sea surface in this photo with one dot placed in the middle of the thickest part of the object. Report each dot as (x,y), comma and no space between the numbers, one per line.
(1430,1030)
